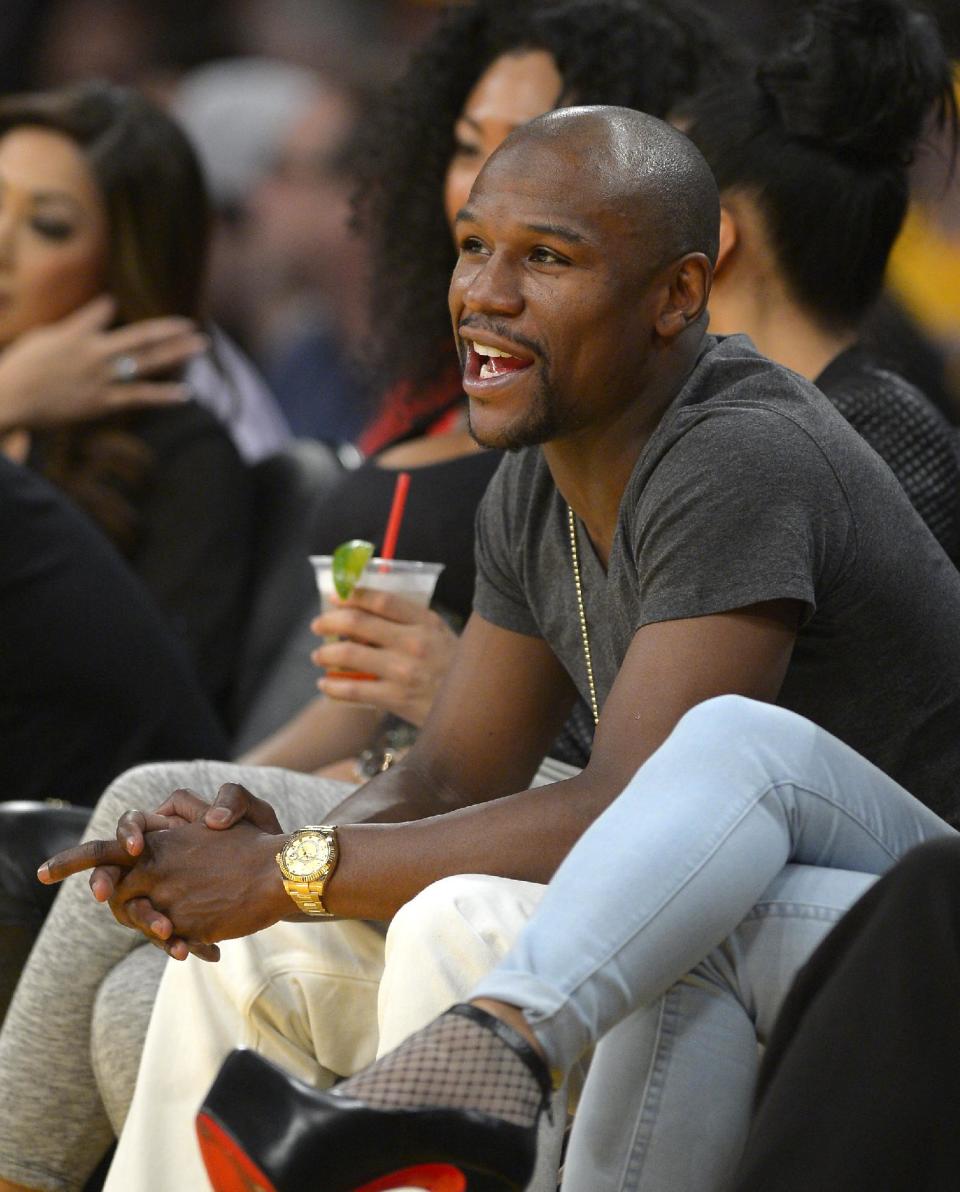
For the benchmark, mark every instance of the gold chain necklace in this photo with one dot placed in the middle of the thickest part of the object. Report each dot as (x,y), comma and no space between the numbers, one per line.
(584,635)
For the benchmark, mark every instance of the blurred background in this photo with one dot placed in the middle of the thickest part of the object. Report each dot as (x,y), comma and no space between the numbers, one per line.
(270,92)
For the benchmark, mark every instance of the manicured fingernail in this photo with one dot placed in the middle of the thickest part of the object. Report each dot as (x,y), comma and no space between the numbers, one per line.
(43,873)
(218,815)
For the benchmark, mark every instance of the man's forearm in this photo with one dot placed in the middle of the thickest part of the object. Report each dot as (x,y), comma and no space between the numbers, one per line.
(407,791)
(525,836)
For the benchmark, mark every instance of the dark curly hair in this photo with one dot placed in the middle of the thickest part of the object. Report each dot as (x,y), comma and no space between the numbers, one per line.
(645,54)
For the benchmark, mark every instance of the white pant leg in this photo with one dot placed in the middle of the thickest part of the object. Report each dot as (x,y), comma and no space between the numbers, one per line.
(306,997)
(438,947)
(302,994)
(53,1128)
(442,942)
(203,1010)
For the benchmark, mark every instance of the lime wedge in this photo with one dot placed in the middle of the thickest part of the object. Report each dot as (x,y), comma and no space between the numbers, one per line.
(349,560)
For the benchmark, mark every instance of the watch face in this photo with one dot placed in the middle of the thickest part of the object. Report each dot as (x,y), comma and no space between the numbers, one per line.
(306,854)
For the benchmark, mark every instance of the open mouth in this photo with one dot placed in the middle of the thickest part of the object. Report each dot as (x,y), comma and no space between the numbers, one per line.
(486,363)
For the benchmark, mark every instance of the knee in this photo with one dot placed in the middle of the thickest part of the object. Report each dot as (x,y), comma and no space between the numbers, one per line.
(727,718)
(469,920)
(442,911)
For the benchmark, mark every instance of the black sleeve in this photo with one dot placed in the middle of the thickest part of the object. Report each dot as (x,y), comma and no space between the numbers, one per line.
(196,538)
(91,679)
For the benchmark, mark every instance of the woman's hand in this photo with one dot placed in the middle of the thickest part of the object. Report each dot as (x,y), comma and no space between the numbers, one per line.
(406,648)
(76,369)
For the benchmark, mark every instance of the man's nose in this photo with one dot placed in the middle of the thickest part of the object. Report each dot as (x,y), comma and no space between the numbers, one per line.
(494,287)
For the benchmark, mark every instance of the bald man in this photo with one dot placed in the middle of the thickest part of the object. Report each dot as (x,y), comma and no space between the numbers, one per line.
(678,518)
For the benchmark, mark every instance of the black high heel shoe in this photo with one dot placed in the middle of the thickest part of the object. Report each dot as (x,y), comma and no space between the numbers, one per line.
(261,1130)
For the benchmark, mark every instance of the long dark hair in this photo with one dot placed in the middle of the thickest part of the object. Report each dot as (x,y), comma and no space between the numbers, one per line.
(158,228)
(645,54)
(822,136)
(158,215)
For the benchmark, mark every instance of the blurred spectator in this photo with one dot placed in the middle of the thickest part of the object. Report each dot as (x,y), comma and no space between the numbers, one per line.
(362,41)
(235,112)
(924,273)
(287,277)
(310,273)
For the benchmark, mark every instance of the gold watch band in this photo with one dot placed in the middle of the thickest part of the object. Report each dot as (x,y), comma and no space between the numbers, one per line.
(308,896)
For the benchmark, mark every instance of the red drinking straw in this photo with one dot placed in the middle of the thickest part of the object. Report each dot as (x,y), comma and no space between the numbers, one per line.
(396,516)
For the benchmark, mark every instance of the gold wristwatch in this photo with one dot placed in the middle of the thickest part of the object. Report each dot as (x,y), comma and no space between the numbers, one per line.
(306,861)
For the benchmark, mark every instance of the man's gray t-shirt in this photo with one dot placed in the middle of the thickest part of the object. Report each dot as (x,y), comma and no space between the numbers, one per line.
(753,488)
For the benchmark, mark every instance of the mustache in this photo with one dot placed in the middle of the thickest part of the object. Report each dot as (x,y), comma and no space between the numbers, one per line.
(503,332)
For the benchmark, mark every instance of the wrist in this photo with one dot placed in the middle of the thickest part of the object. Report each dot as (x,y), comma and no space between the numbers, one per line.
(281,906)
(306,861)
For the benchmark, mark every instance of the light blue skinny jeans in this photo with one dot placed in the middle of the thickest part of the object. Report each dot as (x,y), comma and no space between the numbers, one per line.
(683,914)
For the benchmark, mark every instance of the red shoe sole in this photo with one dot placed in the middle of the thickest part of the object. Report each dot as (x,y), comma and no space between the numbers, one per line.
(230,1169)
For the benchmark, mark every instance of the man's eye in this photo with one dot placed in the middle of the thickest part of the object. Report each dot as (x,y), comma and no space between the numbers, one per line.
(546,256)
(472,244)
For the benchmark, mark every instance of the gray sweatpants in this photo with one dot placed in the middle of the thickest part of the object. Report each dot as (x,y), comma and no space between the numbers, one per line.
(90,981)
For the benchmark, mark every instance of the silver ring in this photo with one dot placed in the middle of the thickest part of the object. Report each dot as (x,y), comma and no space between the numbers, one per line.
(124,367)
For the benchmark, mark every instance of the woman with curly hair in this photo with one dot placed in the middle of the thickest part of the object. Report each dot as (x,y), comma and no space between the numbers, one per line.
(103,237)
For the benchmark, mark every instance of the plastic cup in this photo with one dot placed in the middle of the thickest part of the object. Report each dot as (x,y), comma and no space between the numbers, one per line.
(412,580)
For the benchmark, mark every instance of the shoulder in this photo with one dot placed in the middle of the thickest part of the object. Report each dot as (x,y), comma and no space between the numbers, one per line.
(861,388)
(731,370)
(737,406)
(26,501)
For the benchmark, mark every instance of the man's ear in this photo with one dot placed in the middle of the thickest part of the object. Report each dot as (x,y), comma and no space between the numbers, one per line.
(685,298)
(729,235)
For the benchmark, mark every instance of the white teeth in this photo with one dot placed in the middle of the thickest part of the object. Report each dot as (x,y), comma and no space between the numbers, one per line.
(486,350)
(487,370)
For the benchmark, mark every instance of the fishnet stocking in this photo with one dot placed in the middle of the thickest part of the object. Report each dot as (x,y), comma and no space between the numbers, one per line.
(454,1063)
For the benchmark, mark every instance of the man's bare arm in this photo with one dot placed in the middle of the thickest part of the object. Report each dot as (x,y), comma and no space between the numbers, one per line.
(669,668)
(495,717)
